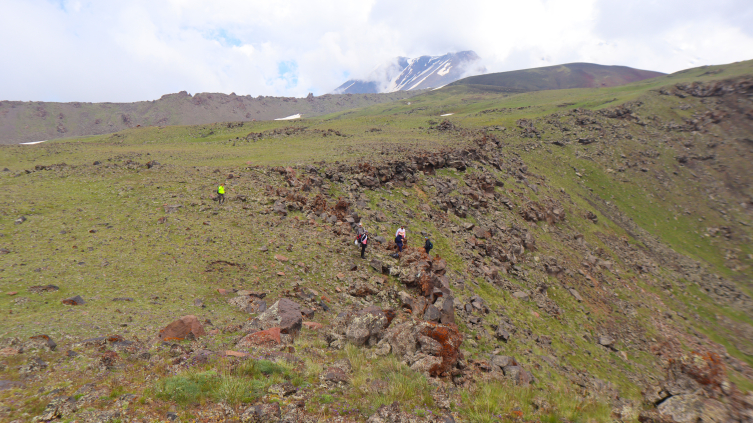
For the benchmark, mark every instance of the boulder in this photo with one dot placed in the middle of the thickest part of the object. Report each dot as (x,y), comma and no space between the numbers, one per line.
(377,265)
(410,337)
(683,408)
(269,337)
(501,361)
(432,314)
(518,375)
(426,364)
(284,314)
(360,289)
(606,341)
(367,326)
(187,327)
(280,208)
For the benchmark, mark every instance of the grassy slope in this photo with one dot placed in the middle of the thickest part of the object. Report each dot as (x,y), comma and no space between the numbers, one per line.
(165,267)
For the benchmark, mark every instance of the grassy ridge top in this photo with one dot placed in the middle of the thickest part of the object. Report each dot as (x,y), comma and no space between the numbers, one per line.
(571,75)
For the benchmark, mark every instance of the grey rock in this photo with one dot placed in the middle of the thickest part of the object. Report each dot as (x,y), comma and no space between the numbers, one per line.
(262,413)
(59,407)
(575,294)
(501,361)
(521,295)
(606,341)
(285,314)
(432,314)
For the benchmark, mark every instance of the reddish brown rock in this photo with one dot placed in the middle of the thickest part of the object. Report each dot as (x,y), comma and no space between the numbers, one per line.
(74,301)
(450,340)
(269,337)
(109,359)
(187,327)
(280,257)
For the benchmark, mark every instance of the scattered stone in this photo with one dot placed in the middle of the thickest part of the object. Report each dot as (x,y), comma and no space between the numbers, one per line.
(575,294)
(335,375)
(283,389)
(281,258)
(262,413)
(58,408)
(11,384)
(231,353)
(109,359)
(44,341)
(74,301)
(20,220)
(187,327)
(313,325)
(172,209)
(128,299)
(35,364)
(39,289)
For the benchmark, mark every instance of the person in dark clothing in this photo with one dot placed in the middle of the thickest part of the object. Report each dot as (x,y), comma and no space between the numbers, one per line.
(363,239)
(399,240)
(428,245)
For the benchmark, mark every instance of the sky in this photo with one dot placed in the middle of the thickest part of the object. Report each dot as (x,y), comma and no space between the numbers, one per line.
(135,50)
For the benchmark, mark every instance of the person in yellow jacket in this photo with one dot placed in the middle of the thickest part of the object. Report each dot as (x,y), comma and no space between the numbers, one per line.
(221,194)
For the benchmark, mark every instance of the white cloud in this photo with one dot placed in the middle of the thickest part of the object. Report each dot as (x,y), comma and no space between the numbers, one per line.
(87,50)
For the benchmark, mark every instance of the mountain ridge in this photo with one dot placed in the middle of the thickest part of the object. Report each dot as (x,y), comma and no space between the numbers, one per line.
(565,76)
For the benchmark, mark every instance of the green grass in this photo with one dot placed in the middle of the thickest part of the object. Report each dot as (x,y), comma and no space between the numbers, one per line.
(499,401)
(245,384)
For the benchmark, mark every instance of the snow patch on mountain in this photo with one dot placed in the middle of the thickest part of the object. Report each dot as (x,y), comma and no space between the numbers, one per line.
(418,73)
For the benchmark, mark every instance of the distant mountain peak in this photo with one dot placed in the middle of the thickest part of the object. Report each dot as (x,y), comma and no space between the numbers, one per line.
(405,74)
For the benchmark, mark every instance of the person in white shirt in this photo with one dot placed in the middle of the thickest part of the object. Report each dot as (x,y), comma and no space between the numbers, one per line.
(401,231)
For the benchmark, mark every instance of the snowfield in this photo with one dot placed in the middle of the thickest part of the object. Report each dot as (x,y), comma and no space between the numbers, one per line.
(295,116)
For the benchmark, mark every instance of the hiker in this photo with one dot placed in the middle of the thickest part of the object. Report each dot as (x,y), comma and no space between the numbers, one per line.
(399,242)
(361,240)
(428,245)
(221,194)
(360,229)
(401,232)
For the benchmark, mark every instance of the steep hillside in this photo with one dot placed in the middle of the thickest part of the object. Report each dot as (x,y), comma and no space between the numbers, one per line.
(403,74)
(571,75)
(36,121)
(592,262)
